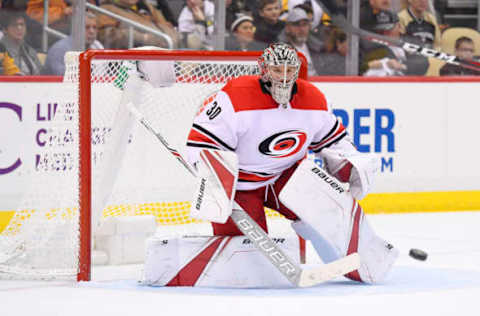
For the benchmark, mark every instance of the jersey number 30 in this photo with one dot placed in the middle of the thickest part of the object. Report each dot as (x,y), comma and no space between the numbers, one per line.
(213,111)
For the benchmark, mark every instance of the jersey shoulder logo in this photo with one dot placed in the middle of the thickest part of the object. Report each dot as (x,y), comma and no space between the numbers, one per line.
(283,144)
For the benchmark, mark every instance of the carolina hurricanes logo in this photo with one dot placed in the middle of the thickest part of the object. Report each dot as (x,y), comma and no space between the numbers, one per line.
(283,144)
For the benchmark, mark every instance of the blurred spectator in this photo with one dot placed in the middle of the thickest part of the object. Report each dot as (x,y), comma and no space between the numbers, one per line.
(55,63)
(322,29)
(398,5)
(59,14)
(267,21)
(420,24)
(114,34)
(297,33)
(195,24)
(2,13)
(34,35)
(464,48)
(390,60)
(368,12)
(316,10)
(7,64)
(251,6)
(440,9)
(162,6)
(234,8)
(24,55)
(333,61)
(242,35)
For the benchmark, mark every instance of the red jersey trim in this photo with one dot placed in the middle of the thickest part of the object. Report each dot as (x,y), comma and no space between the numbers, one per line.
(200,135)
(244,176)
(199,138)
(246,94)
(308,97)
(334,135)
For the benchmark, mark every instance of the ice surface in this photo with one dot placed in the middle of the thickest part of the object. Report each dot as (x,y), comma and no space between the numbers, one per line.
(448,283)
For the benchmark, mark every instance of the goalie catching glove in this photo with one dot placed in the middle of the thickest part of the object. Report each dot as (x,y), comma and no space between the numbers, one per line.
(346,164)
(217,180)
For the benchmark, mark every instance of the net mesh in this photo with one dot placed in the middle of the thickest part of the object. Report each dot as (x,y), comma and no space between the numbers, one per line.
(41,237)
(132,173)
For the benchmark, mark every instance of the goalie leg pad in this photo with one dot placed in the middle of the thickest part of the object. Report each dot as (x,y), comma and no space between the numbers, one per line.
(217,179)
(334,222)
(213,262)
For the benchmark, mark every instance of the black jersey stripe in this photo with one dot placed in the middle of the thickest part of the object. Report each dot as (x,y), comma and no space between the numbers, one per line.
(202,145)
(215,138)
(331,142)
(263,174)
(331,132)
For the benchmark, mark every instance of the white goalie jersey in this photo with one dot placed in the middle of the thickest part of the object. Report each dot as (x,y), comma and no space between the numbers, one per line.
(266,137)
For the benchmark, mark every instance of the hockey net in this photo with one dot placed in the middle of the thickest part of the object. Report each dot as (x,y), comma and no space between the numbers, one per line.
(99,162)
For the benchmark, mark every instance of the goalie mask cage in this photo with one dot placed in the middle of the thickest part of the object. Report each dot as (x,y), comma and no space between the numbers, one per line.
(100,162)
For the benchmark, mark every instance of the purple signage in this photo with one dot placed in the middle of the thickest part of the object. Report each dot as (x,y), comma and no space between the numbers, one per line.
(18,110)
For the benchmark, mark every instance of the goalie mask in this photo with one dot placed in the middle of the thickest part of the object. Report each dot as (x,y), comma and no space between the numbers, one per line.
(279,66)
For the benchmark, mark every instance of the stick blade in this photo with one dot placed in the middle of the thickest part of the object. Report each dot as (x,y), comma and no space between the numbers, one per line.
(327,272)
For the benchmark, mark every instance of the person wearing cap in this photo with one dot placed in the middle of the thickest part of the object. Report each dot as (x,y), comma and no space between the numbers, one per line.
(297,33)
(317,14)
(390,60)
(242,32)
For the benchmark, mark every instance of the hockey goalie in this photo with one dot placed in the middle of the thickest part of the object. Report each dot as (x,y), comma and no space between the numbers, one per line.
(248,144)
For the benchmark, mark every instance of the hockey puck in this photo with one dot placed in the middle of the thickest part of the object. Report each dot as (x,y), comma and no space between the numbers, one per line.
(418,254)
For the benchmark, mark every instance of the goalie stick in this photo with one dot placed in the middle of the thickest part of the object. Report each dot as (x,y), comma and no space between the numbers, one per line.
(338,19)
(294,273)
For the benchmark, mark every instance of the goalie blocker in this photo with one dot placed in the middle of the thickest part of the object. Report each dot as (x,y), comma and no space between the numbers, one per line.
(326,214)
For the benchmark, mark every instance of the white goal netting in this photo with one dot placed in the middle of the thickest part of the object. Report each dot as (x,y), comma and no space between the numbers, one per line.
(132,174)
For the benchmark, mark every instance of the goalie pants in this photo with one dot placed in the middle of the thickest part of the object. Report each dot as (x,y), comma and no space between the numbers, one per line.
(254,201)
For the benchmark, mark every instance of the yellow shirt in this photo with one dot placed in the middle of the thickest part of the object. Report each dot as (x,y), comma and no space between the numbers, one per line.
(7,64)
